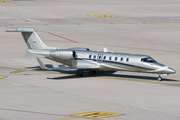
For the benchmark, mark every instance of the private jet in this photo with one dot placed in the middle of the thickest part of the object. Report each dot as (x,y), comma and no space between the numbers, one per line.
(82,59)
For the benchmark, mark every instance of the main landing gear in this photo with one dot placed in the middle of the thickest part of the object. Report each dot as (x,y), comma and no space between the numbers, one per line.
(79,73)
(92,72)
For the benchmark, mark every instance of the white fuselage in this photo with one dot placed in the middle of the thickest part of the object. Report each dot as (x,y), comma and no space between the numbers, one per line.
(99,60)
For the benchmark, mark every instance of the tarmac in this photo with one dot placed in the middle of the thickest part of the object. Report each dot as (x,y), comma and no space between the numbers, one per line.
(143,27)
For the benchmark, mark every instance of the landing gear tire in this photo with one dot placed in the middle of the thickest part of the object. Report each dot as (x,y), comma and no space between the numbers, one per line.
(159,78)
(92,72)
(79,73)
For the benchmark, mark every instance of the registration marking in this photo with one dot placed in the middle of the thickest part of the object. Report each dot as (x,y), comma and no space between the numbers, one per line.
(96,114)
(2,77)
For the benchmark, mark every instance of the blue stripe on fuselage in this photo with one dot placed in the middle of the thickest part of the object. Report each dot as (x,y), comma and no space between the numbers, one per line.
(106,61)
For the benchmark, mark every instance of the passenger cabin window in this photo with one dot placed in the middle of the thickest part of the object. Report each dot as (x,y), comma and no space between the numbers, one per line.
(110,58)
(115,58)
(99,57)
(94,56)
(90,56)
(127,59)
(122,59)
(147,60)
(104,57)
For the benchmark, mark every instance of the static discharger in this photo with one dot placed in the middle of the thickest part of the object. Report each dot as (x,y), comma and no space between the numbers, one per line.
(96,114)
(6,2)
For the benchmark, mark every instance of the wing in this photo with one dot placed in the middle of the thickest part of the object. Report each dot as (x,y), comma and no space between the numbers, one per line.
(62,67)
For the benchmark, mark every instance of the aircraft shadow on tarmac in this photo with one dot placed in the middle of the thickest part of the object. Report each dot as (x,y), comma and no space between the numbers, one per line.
(99,73)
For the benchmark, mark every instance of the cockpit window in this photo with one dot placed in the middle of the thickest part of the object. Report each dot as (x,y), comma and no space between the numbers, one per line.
(147,60)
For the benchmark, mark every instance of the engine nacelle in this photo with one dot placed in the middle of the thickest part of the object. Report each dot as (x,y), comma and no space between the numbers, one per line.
(63,54)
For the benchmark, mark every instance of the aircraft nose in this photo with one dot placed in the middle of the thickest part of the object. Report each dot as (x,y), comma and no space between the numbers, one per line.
(170,70)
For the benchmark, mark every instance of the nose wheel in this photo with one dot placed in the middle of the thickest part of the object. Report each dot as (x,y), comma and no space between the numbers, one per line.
(159,78)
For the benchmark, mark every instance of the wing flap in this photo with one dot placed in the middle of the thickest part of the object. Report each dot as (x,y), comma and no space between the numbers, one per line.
(62,68)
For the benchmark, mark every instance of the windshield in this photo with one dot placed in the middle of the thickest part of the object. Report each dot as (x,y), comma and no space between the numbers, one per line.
(147,60)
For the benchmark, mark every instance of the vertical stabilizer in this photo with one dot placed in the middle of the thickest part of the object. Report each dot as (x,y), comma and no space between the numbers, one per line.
(32,39)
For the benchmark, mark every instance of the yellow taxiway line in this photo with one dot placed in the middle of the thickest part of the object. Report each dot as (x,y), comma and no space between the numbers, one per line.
(52,72)
(109,16)
(6,2)
(116,78)
(2,77)
(17,71)
(138,80)
(67,118)
(97,114)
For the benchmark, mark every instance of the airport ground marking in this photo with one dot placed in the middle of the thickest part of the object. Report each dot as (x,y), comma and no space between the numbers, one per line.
(102,16)
(106,45)
(97,43)
(62,37)
(42,113)
(2,77)
(138,80)
(115,17)
(67,118)
(97,114)
(58,36)
(52,72)
(117,78)
(130,47)
(20,70)
(109,45)
(147,22)
(6,2)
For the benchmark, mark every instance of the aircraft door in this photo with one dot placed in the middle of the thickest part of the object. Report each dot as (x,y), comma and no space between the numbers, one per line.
(99,58)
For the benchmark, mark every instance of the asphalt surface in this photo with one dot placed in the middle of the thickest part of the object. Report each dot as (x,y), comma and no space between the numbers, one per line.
(143,27)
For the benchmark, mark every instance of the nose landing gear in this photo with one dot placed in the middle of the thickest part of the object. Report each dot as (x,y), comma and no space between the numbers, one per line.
(159,78)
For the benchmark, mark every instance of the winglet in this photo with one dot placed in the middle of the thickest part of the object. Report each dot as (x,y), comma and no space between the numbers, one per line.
(41,64)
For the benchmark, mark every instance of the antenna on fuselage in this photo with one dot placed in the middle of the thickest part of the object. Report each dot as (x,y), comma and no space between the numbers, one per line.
(106,50)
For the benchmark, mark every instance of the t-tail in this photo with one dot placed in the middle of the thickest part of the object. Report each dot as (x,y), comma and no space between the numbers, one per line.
(36,47)
(31,38)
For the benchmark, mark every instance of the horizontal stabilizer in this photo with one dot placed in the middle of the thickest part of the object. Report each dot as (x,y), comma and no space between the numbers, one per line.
(19,31)
(32,55)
